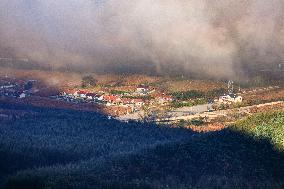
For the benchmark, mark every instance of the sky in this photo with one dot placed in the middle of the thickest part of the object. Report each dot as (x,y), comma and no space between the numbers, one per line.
(205,38)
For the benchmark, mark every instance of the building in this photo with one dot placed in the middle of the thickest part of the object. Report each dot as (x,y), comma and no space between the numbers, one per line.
(165,99)
(138,102)
(142,89)
(112,99)
(230,98)
(81,93)
(22,95)
(127,101)
(91,96)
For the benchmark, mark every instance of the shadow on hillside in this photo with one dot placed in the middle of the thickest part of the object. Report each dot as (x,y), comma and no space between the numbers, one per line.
(135,155)
(54,138)
(224,159)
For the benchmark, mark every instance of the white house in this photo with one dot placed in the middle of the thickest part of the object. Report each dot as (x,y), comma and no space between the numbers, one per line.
(229,98)
(142,89)
(164,99)
(91,96)
(22,95)
(138,102)
(81,94)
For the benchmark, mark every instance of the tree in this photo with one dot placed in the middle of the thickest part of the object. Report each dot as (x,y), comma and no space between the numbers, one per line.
(89,81)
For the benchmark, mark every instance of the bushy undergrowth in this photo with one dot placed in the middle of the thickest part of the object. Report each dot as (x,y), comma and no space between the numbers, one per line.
(186,95)
(265,126)
(178,104)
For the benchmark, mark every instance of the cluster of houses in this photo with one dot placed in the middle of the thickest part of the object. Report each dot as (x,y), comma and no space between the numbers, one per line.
(101,97)
(16,88)
(130,100)
(135,99)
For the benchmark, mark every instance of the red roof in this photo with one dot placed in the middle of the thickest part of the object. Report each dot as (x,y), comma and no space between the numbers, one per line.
(82,92)
(70,91)
(111,98)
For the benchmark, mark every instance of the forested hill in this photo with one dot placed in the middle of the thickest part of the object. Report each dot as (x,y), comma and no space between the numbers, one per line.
(57,149)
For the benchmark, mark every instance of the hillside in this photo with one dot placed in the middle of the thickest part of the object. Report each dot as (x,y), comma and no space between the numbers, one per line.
(73,149)
(72,79)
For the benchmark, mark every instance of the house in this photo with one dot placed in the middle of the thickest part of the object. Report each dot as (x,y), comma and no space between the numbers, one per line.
(142,89)
(127,101)
(138,102)
(112,99)
(99,97)
(229,98)
(91,96)
(164,99)
(7,86)
(22,95)
(94,96)
(81,93)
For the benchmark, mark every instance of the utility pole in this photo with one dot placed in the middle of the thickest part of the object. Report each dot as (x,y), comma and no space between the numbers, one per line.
(230,86)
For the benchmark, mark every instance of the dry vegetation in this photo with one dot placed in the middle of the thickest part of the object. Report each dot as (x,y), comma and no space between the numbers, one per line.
(70,79)
(207,127)
(265,95)
(55,79)
(187,85)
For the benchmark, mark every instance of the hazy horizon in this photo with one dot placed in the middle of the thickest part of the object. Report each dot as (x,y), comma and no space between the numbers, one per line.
(215,39)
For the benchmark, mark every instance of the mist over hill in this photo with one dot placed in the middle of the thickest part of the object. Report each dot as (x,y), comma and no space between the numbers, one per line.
(213,39)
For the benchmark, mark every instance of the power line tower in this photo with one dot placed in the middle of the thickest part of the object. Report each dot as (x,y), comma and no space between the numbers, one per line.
(230,86)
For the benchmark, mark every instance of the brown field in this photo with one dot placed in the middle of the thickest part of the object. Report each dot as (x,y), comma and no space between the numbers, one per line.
(271,95)
(61,80)
(56,79)
(186,85)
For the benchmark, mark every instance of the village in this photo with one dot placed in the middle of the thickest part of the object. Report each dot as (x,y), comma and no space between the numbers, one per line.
(17,88)
(201,110)
(135,102)
(141,101)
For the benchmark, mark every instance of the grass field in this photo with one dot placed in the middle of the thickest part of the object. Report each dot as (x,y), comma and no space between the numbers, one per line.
(58,149)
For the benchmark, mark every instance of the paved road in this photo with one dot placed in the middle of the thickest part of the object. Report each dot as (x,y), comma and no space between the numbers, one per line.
(221,113)
(190,110)
(184,111)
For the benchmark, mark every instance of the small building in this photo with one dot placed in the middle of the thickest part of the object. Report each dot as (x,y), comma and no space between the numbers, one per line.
(164,99)
(68,92)
(81,93)
(230,98)
(91,96)
(22,95)
(7,86)
(126,101)
(138,102)
(99,97)
(112,99)
(143,89)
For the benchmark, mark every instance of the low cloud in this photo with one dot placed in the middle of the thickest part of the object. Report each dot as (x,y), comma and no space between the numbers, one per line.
(209,38)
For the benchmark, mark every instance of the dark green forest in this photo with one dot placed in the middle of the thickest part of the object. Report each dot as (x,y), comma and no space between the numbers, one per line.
(57,149)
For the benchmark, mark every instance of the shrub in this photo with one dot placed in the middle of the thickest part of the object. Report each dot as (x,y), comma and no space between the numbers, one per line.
(186,95)
(265,126)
